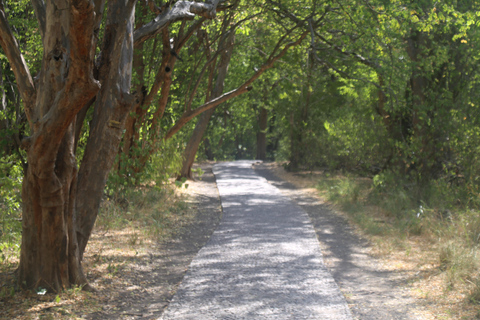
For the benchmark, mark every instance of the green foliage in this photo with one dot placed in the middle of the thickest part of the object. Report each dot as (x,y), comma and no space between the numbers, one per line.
(11,176)
(163,166)
(388,204)
(387,93)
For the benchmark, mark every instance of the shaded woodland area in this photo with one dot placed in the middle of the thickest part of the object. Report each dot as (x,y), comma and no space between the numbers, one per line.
(100,97)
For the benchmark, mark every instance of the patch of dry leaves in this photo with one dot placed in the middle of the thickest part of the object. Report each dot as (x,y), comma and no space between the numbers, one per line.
(112,254)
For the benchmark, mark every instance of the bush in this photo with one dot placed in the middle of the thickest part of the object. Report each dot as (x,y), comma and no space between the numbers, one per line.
(163,165)
(11,176)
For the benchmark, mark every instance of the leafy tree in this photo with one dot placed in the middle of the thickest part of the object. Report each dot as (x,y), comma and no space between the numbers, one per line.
(60,202)
(83,97)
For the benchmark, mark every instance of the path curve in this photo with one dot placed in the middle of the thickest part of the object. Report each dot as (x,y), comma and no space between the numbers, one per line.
(263,261)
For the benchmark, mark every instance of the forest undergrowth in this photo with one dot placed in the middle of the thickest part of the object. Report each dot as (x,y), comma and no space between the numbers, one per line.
(430,230)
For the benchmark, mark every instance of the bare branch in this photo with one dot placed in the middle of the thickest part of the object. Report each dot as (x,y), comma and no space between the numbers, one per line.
(209,63)
(181,10)
(190,32)
(205,10)
(189,115)
(222,48)
(346,75)
(160,77)
(153,7)
(357,56)
(271,60)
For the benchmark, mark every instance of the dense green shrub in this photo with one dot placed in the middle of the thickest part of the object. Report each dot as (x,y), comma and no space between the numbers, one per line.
(11,175)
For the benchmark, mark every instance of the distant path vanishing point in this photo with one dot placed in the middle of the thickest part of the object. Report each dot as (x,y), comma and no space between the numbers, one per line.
(263,261)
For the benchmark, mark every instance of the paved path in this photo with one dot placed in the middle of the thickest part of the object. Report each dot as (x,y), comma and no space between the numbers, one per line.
(263,261)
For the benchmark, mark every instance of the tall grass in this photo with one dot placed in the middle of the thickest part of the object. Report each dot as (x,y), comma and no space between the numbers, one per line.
(10,211)
(444,215)
(155,211)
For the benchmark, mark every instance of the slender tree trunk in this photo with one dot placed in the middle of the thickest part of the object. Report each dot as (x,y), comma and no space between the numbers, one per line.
(295,142)
(111,109)
(202,124)
(262,135)
(193,144)
(416,46)
(298,150)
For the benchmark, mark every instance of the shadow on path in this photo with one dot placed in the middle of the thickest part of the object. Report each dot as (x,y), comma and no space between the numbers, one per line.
(371,293)
(262,262)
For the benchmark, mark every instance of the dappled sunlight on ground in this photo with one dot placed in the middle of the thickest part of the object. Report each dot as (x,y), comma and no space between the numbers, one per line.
(124,262)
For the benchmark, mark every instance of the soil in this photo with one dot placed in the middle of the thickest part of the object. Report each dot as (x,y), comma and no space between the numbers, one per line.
(157,279)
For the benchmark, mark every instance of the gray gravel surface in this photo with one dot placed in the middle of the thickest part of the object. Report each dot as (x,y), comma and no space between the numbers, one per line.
(263,261)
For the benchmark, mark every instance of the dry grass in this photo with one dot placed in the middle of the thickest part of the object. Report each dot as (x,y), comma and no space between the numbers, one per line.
(124,234)
(441,266)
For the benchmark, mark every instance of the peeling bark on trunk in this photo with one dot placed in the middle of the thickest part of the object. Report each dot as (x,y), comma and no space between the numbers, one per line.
(49,253)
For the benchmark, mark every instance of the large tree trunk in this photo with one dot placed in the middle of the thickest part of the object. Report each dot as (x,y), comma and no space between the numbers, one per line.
(417,44)
(49,253)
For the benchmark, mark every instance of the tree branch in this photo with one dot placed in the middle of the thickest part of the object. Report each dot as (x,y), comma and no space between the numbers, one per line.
(189,33)
(181,10)
(190,114)
(357,56)
(19,66)
(40,13)
(159,78)
(346,75)
(226,34)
